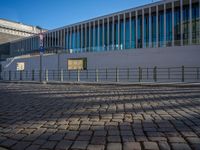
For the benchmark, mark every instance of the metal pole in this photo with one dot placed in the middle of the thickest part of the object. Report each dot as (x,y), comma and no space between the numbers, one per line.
(97,75)
(46,75)
(61,75)
(117,75)
(197,73)
(33,72)
(139,72)
(78,75)
(106,73)
(128,73)
(9,75)
(155,74)
(183,73)
(40,72)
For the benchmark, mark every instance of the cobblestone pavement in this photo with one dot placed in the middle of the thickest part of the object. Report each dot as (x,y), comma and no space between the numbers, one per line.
(34,116)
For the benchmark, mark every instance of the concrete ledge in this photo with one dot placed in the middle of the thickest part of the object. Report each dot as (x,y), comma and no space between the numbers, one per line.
(153,84)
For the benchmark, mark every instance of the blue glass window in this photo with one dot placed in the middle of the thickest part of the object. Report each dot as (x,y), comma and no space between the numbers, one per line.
(105,36)
(146,30)
(161,28)
(185,24)
(116,35)
(169,27)
(127,42)
(133,33)
(177,26)
(153,25)
(139,40)
(121,34)
(195,23)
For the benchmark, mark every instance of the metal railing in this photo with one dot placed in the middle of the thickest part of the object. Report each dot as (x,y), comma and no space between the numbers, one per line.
(140,74)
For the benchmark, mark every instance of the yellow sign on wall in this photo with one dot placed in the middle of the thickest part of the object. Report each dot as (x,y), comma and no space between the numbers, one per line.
(20,66)
(77,64)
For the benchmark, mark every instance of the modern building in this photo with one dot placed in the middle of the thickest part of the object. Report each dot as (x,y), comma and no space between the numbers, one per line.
(10,31)
(164,34)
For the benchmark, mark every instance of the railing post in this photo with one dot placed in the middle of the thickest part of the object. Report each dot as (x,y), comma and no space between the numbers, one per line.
(69,74)
(26,74)
(97,75)
(169,73)
(183,73)
(147,73)
(155,74)
(61,75)
(197,73)
(139,74)
(20,76)
(9,75)
(117,75)
(106,73)
(33,75)
(15,75)
(46,75)
(87,74)
(53,74)
(78,75)
(128,73)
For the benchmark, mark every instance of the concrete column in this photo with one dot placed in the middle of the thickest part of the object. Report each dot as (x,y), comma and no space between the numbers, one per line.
(181,7)
(81,37)
(98,45)
(150,32)
(103,36)
(143,29)
(64,39)
(118,32)
(124,42)
(52,39)
(157,26)
(70,38)
(86,37)
(172,23)
(108,32)
(113,32)
(94,37)
(130,19)
(89,48)
(136,24)
(165,25)
(199,24)
(190,23)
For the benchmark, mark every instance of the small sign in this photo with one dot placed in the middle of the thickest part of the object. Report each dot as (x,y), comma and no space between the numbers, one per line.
(20,66)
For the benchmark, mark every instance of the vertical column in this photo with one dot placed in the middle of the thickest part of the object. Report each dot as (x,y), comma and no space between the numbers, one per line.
(172,23)
(66,44)
(103,45)
(150,32)
(58,38)
(85,37)
(52,39)
(124,42)
(190,22)
(89,47)
(81,38)
(136,27)
(70,39)
(157,26)
(64,39)
(130,19)
(94,37)
(165,25)
(113,32)
(118,32)
(98,45)
(181,6)
(47,41)
(199,24)
(143,29)
(108,33)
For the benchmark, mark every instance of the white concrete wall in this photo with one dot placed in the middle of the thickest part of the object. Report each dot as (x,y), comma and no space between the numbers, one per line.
(189,56)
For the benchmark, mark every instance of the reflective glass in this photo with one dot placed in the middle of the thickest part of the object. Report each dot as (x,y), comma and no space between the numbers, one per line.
(185,24)
(146,31)
(153,25)
(139,31)
(195,23)
(127,42)
(177,27)
(133,33)
(116,35)
(169,27)
(121,34)
(161,29)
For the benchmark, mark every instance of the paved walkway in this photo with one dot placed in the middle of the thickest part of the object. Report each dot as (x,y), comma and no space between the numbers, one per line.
(35,116)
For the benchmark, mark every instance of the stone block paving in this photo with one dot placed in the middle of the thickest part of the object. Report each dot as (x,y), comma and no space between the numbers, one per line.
(94,117)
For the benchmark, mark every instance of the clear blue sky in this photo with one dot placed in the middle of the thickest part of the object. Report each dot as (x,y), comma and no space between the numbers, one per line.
(52,14)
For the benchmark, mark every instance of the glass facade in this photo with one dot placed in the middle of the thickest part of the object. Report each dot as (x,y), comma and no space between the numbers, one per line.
(123,31)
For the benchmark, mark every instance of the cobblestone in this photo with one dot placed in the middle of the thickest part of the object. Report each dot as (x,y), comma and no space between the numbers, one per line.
(92,117)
